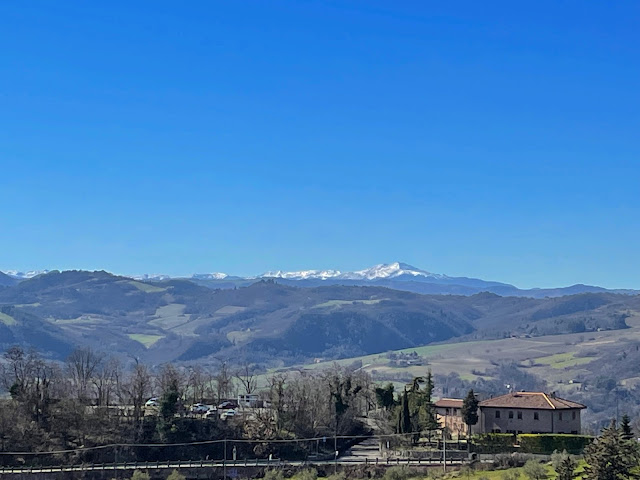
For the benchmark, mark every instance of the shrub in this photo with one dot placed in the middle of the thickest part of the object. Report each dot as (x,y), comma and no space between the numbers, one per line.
(548,443)
(493,443)
(337,476)
(511,475)
(273,475)
(175,475)
(534,470)
(138,475)
(307,474)
(397,473)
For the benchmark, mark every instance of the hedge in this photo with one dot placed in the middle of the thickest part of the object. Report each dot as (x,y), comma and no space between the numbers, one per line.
(548,443)
(493,442)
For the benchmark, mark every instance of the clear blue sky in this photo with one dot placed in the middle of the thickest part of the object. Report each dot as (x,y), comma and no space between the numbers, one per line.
(492,139)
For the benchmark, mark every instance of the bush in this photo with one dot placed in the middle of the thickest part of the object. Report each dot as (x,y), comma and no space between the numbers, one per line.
(273,475)
(138,475)
(548,443)
(307,474)
(534,470)
(337,476)
(493,443)
(511,475)
(175,475)
(397,473)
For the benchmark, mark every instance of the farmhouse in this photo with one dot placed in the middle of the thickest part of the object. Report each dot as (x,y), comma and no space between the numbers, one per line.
(517,412)
(529,412)
(449,415)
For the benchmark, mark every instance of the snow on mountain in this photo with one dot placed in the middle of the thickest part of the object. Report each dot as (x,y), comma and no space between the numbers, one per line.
(382,271)
(303,274)
(152,277)
(377,272)
(390,270)
(25,275)
(209,276)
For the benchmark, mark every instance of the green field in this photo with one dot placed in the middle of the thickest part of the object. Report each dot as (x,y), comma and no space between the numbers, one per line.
(146,288)
(340,303)
(144,339)
(8,320)
(563,360)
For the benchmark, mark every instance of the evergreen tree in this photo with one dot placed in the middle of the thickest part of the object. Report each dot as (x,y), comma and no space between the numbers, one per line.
(625,425)
(610,456)
(404,415)
(384,396)
(564,466)
(470,412)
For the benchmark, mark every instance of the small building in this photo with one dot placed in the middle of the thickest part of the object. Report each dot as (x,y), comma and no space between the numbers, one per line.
(529,412)
(449,415)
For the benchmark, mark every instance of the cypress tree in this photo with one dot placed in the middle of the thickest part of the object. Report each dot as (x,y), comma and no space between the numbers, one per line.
(625,425)
(470,411)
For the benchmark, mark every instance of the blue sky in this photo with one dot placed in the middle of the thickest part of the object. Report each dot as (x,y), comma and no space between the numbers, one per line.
(490,139)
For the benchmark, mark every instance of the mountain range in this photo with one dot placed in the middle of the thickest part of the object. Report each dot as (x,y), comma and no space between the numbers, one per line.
(273,321)
(396,275)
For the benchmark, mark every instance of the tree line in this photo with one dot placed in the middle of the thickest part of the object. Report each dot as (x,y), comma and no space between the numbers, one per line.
(92,399)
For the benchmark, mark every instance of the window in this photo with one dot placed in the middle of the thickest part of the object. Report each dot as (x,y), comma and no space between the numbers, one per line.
(560,416)
(448,411)
(519,415)
(497,413)
(573,415)
(510,414)
(536,416)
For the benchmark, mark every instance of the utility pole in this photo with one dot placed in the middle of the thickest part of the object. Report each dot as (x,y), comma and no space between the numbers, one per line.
(335,452)
(224,461)
(444,450)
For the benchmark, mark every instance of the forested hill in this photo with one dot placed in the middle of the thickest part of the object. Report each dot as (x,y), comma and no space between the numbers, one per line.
(268,321)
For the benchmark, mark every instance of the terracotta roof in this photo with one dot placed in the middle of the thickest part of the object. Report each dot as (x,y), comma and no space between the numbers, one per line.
(537,400)
(449,403)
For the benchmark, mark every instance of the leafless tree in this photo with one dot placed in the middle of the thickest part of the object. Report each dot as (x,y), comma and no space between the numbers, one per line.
(82,365)
(247,378)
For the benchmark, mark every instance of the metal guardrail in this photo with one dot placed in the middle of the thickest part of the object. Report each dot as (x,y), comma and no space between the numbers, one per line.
(220,464)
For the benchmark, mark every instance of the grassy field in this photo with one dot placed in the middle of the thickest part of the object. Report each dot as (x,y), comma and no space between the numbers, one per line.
(339,303)
(145,287)
(144,339)
(559,359)
(563,360)
(8,320)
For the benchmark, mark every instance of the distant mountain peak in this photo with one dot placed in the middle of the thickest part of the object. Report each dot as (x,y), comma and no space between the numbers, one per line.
(25,275)
(209,276)
(380,271)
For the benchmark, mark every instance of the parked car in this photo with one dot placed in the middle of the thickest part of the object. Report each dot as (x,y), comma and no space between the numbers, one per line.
(152,402)
(199,408)
(227,405)
(211,413)
(227,414)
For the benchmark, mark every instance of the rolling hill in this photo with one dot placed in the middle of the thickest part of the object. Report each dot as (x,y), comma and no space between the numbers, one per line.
(269,321)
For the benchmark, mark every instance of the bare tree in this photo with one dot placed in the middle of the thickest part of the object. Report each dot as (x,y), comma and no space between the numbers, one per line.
(136,388)
(247,378)
(82,364)
(105,381)
(224,383)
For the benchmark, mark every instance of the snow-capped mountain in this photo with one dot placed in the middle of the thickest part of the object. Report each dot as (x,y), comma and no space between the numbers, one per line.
(152,277)
(25,275)
(209,276)
(381,271)
(391,270)
(303,274)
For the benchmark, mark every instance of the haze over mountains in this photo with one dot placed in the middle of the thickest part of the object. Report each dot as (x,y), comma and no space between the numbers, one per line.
(283,319)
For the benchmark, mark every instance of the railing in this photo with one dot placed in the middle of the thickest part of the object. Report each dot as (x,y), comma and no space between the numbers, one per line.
(221,464)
